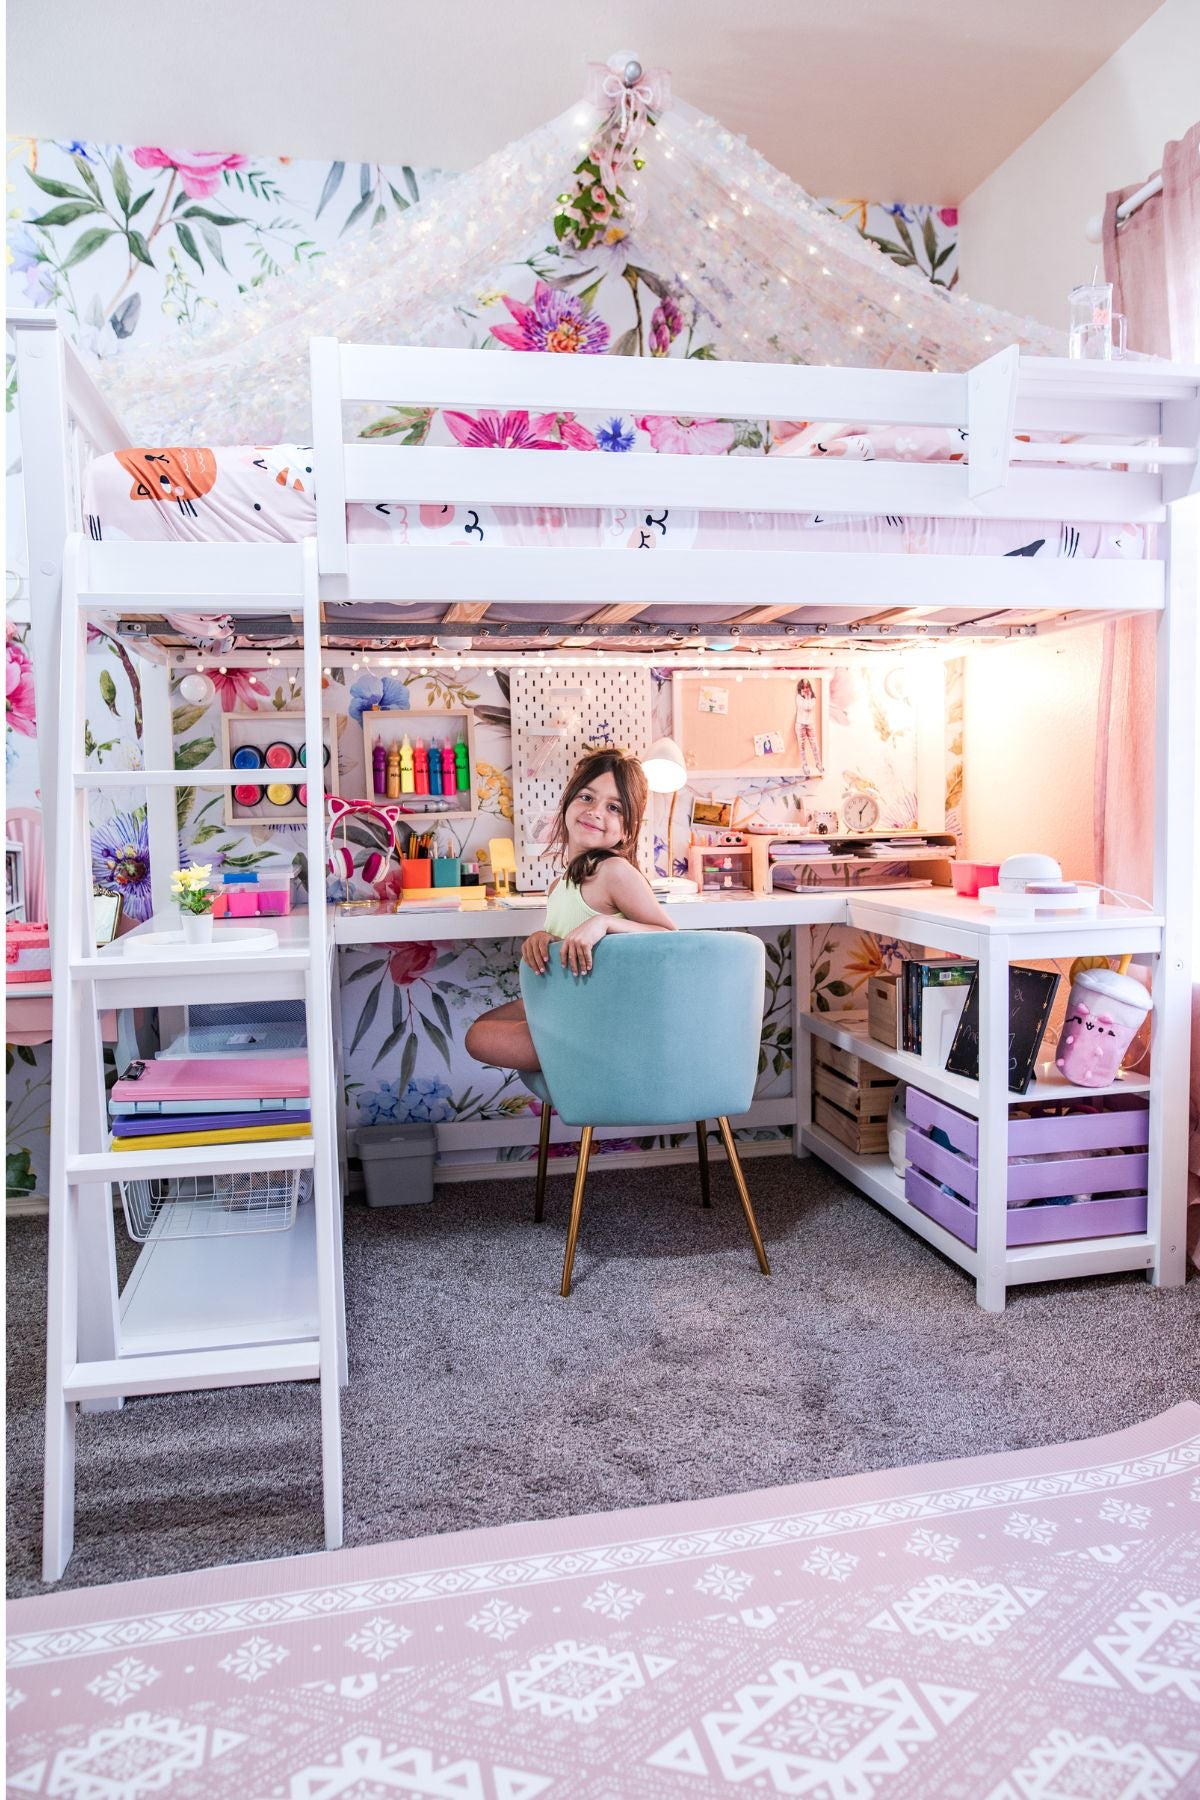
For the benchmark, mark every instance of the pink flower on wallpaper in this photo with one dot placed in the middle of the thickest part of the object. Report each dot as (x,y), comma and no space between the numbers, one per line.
(20,707)
(948,215)
(408,962)
(573,435)
(497,431)
(238,687)
(199,170)
(555,321)
(689,437)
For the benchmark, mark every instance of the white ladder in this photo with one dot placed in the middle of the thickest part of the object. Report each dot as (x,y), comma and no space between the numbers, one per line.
(88,1357)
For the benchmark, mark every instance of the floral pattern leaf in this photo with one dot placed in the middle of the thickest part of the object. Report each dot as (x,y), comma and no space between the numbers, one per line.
(366,1019)
(58,190)
(67,213)
(120,181)
(436,1037)
(194,752)
(184,234)
(84,245)
(333,182)
(139,248)
(408,1061)
(108,691)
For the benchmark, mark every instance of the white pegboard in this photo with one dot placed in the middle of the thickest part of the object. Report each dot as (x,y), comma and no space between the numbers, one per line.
(556,713)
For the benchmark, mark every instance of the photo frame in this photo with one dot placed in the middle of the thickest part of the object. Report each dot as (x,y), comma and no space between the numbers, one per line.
(106,917)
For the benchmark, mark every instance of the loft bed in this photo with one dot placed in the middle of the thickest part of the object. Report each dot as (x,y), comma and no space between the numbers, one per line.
(1093,468)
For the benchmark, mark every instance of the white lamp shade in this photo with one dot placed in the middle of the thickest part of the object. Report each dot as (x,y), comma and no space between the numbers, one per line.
(666,771)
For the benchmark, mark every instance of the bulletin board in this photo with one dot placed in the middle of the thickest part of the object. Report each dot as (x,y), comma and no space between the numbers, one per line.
(727,727)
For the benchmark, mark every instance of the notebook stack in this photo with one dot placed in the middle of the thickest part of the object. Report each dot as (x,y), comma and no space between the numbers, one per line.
(170,1104)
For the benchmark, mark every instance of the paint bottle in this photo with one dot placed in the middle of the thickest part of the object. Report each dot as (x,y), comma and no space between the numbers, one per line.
(280,793)
(406,766)
(420,768)
(462,767)
(393,772)
(379,761)
(279,756)
(435,767)
(449,769)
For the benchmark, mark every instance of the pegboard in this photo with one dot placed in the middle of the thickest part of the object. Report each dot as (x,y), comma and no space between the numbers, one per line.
(556,713)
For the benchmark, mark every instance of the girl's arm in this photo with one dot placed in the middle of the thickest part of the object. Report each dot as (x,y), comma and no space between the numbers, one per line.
(627,889)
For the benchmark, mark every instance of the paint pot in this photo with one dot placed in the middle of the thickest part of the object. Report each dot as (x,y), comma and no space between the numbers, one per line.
(247,756)
(279,756)
(248,795)
(281,793)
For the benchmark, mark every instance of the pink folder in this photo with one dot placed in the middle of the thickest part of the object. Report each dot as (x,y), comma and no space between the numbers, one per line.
(216,1078)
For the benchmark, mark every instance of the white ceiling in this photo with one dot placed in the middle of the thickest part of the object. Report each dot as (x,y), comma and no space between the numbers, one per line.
(890,99)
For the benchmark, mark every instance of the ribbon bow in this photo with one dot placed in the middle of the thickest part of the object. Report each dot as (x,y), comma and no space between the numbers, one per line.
(608,92)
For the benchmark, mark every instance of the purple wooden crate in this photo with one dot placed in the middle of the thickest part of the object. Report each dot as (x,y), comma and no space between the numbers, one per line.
(1030,1224)
(1115,1184)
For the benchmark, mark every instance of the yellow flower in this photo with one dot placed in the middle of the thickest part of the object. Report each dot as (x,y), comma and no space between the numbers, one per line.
(490,297)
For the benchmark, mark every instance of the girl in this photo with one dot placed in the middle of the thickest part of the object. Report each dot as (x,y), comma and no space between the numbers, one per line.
(601,891)
(806,733)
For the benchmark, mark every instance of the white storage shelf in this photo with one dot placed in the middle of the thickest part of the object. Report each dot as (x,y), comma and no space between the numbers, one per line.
(848,1031)
(393,725)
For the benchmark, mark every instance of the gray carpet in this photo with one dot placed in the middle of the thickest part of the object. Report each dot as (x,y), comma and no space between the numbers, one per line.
(674,1372)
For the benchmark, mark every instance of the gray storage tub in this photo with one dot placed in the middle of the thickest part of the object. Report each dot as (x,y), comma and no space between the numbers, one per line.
(397,1163)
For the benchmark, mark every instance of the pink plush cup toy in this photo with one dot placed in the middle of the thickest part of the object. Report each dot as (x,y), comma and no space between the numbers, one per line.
(1104,1010)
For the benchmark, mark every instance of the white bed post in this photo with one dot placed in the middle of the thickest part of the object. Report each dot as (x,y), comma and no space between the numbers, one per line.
(991,1216)
(991,408)
(329,462)
(1177,649)
(42,398)
(318,1007)
(801,938)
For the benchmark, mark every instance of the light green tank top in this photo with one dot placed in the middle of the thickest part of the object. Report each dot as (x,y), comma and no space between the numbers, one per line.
(566,908)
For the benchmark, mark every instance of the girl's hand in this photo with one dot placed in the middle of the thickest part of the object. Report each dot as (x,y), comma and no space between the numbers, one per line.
(535,951)
(578,944)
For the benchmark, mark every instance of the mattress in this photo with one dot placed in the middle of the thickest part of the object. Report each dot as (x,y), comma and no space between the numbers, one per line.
(254,494)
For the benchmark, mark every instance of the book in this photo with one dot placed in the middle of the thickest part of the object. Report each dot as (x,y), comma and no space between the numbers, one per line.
(920,974)
(168,1126)
(1030,997)
(243,1134)
(214,1078)
(172,1109)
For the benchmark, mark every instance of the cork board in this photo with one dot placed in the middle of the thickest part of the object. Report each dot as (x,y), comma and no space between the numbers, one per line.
(760,725)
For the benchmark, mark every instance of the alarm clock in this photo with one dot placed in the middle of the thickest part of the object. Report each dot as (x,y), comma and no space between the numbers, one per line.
(823,823)
(862,812)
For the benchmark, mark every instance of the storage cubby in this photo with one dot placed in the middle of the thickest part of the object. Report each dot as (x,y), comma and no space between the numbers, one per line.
(388,725)
(267,735)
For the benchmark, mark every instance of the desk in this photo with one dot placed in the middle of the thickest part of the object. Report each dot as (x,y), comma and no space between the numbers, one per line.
(927,916)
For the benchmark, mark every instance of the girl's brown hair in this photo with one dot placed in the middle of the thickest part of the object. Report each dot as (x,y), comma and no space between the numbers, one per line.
(632,792)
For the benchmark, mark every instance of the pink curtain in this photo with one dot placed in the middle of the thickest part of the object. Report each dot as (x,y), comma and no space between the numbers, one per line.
(1153,262)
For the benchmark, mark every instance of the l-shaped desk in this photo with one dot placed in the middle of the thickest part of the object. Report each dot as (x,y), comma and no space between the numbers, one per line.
(940,919)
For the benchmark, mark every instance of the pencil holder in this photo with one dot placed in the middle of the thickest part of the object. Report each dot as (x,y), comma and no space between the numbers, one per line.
(446,871)
(416,871)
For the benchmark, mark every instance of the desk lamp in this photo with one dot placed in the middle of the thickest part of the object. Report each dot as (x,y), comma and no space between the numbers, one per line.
(666,773)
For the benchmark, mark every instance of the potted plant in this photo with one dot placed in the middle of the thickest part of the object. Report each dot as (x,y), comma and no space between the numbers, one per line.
(190,888)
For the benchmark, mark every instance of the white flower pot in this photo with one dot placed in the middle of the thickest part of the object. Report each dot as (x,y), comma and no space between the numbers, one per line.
(197,927)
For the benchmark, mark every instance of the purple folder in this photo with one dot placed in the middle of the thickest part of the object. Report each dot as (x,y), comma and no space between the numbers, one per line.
(125,1125)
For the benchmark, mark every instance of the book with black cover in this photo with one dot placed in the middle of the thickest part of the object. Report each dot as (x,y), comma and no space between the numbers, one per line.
(1030,997)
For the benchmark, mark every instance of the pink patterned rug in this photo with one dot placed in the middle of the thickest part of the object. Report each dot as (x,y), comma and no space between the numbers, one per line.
(1016,1627)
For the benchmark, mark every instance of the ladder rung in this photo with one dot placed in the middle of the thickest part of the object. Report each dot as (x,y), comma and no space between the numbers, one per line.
(282,961)
(195,1159)
(202,777)
(162,600)
(184,1370)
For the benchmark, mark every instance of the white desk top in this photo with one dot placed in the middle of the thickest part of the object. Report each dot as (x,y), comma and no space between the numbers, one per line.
(905,912)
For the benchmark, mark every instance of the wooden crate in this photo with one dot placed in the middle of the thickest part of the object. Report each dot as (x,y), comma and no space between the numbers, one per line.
(883,1008)
(851,1098)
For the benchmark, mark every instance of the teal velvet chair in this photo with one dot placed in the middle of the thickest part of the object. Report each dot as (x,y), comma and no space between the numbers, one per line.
(665,1028)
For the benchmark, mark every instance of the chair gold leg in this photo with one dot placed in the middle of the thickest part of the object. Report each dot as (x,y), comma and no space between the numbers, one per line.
(702,1149)
(539,1205)
(585,1151)
(743,1196)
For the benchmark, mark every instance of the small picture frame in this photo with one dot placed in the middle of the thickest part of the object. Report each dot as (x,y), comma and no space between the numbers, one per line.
(712,812)
(106,917)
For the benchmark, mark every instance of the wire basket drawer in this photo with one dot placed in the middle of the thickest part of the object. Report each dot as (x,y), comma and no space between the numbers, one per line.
(228,1205)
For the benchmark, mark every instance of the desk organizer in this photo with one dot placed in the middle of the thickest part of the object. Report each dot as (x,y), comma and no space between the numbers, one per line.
(1093,1152)
(26,952)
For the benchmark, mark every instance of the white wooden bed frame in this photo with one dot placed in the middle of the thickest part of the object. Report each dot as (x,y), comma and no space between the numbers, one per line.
(841,594)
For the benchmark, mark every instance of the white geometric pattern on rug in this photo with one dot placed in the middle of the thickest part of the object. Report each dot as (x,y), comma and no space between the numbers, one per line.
(958,1610)
(1095,1768)
(574,1681)
(1155,1647)
(139,1755)
(804,1730)
(367,1770)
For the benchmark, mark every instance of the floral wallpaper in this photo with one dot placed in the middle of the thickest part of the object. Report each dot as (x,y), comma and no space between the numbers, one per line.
(130,244)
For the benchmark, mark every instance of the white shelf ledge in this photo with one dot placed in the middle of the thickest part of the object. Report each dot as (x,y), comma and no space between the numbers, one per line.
(849,1032)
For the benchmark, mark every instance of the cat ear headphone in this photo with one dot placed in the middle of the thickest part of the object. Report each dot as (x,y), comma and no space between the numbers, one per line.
(380,820)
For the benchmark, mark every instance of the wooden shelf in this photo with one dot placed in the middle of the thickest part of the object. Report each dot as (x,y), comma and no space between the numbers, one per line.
(393,724)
